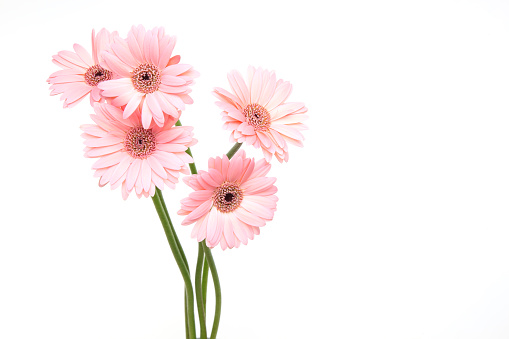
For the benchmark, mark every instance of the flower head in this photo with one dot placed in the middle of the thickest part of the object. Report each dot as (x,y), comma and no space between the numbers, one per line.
(257,114)
(81,71)
(133,157)
(150,78)
(232,200)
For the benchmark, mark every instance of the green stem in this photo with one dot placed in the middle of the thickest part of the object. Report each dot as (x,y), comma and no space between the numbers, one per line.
(173,231)
(181,251)
(185,309)
(217,289)
(204,279)
(233,150)
(209,261)
(179,258)
(199,298)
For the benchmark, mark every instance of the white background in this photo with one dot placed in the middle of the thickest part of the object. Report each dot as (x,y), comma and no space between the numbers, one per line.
(392,221)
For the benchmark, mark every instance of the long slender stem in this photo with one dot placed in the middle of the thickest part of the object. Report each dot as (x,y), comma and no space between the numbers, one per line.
(217,289)
(173,231)
(185,262)
(204,281)
(187,318)
(199,298)
(209,261)
(170,235)
(233,150)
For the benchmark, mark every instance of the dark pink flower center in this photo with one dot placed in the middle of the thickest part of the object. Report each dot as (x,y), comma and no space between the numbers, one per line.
(97,74)
(227,197)
(140,142)
(146,78)
(257,116)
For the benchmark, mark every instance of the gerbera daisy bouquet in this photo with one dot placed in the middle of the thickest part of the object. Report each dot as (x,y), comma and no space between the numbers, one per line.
(138,90)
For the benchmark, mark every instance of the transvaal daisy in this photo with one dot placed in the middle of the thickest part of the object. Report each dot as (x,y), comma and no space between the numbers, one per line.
(81,72)
(150,78)
(232,200)
(258,115)
(133,157)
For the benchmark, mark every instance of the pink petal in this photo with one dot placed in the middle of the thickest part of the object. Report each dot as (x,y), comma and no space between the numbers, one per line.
(228,230)
(73,58)
(239,87)
(156,166)
(121,169)
(213,227)
(108,160)
(146,115)
(146,175)
(117,87)
(134,47)
(154,106)
(100,151)
(268,90)
(285,109)
(280,95)
(256,87)
(198,212)
(257,209)
(202,231)
(176,69)
(112,62)
(226,96)
(133,104)
(121,50)
(133,173)
(288,131)
(256,185)
(239,230)
(166,51)
(100,142)
(248,217)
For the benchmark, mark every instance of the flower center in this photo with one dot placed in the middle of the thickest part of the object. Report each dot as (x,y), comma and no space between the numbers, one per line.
(146,78)
(227,197)
(97,74)
(257,116)
(140,142)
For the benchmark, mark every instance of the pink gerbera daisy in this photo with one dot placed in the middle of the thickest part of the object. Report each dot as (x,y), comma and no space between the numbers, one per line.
(231,201)
(134,157)
(151,78)
(81,72)
(257,114)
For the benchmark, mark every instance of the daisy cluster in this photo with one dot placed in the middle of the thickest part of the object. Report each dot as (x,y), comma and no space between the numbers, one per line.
(138,89)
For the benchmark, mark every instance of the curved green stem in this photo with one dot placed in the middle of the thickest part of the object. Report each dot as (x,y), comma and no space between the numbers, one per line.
(199,298)
(233,150)
(207,263)
(204,281)
(179,258)
(183,257)
(173,231)
(217,289)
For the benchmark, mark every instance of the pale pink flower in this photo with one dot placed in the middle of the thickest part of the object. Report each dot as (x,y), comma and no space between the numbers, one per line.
(151,79)
(232,200)
(81,72)
(133,157)
(258,115)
